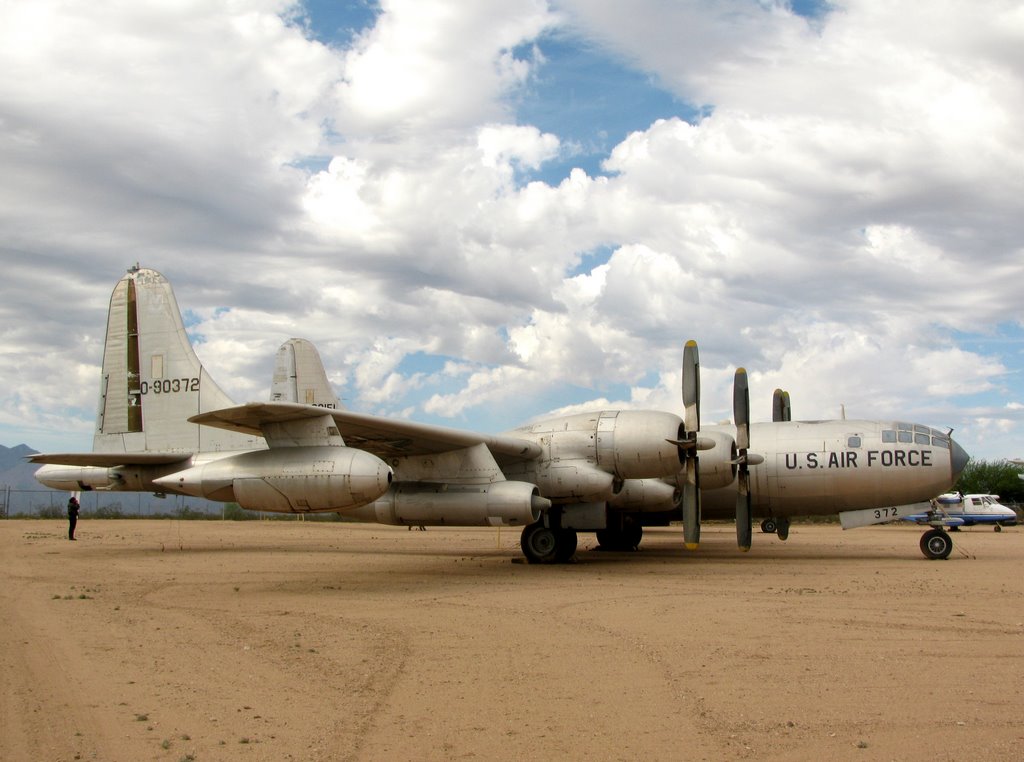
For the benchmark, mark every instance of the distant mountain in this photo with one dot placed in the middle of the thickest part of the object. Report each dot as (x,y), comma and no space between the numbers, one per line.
(15,471)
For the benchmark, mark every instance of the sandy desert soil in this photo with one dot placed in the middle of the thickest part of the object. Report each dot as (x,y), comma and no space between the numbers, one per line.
(168,640)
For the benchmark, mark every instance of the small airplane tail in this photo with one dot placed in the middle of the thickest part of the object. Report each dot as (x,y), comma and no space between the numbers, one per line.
(299,376)
(152,381)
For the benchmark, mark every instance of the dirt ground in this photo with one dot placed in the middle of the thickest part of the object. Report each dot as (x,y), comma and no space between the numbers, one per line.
(169,640)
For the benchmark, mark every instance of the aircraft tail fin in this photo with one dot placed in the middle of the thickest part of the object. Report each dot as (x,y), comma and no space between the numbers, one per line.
(152,381)
(299,376)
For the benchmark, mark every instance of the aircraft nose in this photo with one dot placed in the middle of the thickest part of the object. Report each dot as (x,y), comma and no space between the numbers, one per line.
(958,458)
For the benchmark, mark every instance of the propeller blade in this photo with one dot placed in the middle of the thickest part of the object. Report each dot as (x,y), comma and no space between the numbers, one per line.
(741,414)
(691,505)
(744,518)
(741,409)
(781,410)
(691,425)
(691,387)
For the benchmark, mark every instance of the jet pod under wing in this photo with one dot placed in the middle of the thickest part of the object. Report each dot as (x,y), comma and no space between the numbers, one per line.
(383,437)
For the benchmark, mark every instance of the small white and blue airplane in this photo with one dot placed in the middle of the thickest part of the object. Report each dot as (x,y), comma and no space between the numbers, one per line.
(968,510)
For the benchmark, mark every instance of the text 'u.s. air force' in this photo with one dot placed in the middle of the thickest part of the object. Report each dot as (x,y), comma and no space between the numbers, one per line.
(796,461)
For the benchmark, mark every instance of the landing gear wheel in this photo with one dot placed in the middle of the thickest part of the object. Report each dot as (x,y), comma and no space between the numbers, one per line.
(936,544)
(783,530)
(768,526)
(567,542)
(998,528)
(627,538)
(539,544)
(633,534)
(544,545)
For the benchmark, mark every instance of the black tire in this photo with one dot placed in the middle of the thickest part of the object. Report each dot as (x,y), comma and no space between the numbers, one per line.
(605,538)
(539,543)
(936,544)
(632,536)
(627,538)
(783,530)
(998,528)
(567,542)
(768,526)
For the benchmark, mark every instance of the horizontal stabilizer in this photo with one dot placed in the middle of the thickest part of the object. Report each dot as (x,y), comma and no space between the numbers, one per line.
(384,437)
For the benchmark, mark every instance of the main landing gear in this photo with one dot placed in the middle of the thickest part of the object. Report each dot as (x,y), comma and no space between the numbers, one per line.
(779,526)
(626,538)
(543,544)
(547,545)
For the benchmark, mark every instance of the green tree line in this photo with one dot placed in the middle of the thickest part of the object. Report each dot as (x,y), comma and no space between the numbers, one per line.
(993,477)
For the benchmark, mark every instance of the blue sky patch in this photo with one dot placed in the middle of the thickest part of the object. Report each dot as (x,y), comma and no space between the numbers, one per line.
(423,362)
(591,259)
(591,101)
(1006,344)
(337,24)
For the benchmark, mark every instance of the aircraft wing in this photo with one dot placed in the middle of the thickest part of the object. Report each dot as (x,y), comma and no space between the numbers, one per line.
(109,459)
(381,436)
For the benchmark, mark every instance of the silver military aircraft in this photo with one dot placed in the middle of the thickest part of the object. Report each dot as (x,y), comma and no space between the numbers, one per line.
(309,373)
(164,426)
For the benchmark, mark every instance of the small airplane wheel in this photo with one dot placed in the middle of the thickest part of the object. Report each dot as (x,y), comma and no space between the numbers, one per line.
(998,528)
(768,526)
(936,544)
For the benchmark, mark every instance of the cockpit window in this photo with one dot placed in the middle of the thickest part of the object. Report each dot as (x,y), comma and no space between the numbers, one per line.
(910,433)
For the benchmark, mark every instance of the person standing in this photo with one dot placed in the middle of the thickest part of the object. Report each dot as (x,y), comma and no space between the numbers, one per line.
(72,516)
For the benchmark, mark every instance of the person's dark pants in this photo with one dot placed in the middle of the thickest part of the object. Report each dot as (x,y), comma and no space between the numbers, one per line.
(71,528)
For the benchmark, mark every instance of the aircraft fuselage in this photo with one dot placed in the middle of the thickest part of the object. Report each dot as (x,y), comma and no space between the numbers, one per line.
(820,468)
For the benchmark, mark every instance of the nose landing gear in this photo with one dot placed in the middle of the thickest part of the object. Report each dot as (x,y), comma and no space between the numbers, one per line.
(936,544)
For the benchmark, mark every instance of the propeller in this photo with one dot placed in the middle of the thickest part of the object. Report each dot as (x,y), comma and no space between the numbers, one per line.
(691,426)
(690,444)
(781,410)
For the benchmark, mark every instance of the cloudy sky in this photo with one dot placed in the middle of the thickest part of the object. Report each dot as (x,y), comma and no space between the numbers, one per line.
(483,212)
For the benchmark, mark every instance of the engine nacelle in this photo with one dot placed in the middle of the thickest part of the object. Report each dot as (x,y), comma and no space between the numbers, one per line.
(628,444)
(637,444)
(288,479)
(75,478)
(576,481)
(646,495)
(425,503)
(716,468)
